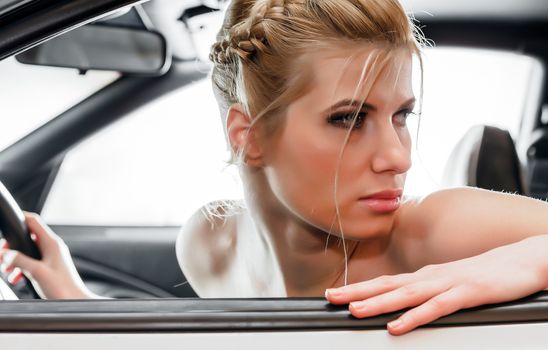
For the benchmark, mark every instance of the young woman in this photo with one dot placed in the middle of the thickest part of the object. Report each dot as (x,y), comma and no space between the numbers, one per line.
(315,95)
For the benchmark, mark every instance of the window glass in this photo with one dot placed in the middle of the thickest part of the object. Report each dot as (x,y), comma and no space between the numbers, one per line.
(463,88)
(160,164)
(33,95)
(154,167)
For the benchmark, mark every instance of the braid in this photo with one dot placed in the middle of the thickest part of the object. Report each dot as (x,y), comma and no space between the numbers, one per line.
(259,54)
(247,38)
(220,53)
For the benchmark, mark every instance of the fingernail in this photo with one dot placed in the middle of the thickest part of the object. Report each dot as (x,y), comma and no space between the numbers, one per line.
(332,292)
(358,305)
(16,276)
(8,256)
(395,323)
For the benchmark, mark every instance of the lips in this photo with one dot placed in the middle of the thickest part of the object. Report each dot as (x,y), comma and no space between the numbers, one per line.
(383,201)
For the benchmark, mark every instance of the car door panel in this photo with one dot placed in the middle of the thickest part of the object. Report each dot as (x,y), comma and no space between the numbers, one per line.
(260,323)
(127,261)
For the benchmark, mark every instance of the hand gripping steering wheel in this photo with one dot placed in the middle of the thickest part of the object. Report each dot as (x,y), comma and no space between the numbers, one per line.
(15,230)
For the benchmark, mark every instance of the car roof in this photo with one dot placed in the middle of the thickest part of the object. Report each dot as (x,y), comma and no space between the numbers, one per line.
(9,5)
(39,20)
(427,11)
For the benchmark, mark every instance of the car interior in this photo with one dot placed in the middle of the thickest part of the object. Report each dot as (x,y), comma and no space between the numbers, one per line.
(138,262)
(485,157)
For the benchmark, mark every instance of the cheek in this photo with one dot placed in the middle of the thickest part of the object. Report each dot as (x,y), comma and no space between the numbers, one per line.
(301,174)
(301,169)
(405,137)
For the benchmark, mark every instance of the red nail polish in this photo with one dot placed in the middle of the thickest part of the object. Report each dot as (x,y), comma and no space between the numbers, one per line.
(15,279)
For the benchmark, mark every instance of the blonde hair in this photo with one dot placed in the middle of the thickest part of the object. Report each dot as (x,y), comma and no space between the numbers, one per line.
(261,43)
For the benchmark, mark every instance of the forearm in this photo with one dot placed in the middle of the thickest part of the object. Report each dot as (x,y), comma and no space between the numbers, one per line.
(537,248)
(502,274)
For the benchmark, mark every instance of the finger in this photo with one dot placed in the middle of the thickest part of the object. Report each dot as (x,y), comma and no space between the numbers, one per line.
(16,276)
(6,258)
(12,258)
(367,289)
(434,308)
(406,296)
(4,244)
(40,229)
(6,268)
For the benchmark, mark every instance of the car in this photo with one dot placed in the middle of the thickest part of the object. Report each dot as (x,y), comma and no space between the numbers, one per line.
(75,139)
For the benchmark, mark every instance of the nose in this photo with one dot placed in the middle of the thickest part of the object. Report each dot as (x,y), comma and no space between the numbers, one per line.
(392,151)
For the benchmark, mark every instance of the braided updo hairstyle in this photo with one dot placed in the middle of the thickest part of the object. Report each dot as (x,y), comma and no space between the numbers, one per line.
(259,56)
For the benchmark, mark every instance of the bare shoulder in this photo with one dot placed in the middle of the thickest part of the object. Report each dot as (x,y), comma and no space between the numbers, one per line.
(429,229)
(456,223)
(206,245)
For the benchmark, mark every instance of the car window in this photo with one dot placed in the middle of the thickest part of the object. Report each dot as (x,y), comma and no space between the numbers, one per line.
(33,95)
(154,167)
(163,162)
(462,88)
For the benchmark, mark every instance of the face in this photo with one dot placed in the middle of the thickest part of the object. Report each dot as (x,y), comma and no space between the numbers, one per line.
(318,158)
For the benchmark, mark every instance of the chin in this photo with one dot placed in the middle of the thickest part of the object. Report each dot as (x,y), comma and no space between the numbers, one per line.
(368,228)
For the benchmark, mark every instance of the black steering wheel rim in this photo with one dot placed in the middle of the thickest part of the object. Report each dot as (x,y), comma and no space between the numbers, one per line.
(14,229)
(13,225)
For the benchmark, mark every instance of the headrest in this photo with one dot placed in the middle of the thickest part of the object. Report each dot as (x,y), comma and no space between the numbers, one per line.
(485,157)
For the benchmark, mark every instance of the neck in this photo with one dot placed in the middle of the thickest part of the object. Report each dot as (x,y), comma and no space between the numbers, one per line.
(309,259)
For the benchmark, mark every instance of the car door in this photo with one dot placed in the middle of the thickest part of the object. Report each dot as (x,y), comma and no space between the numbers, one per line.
(263,323)
(121,247)
(116,179)
(120,197)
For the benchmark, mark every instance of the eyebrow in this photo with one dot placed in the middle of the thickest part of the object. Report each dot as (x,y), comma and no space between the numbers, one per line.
(356,103)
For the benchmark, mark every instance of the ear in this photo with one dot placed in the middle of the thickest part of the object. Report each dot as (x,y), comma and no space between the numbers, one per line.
(242,136)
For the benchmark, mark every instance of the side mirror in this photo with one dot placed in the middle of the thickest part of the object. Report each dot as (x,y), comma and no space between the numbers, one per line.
(103,47)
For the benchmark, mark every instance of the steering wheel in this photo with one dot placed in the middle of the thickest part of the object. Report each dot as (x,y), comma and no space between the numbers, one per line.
(15,230)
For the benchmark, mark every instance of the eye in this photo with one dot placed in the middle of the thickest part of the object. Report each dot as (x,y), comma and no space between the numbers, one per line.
(346,119)
(400,118)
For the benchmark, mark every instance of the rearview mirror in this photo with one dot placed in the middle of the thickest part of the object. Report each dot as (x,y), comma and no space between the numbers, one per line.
(102,47)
